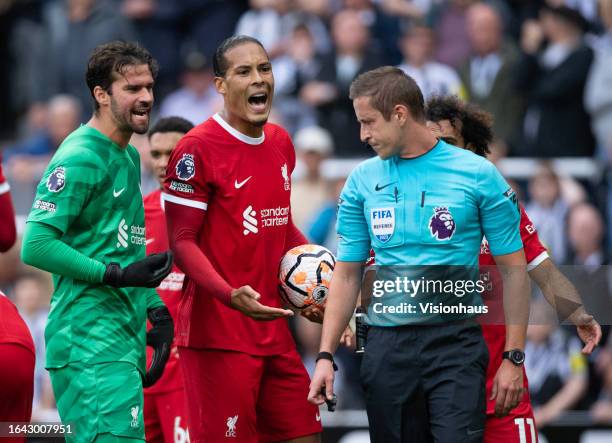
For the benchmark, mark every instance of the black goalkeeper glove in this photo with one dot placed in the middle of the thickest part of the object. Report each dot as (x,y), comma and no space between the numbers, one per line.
(159,338)
(148,272)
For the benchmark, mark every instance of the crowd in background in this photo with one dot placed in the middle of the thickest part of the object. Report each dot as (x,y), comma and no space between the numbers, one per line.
(543,68)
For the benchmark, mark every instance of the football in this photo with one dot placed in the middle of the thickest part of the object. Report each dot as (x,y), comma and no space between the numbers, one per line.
(304,276)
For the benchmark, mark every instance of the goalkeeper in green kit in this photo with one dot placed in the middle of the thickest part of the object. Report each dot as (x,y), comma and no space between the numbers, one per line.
(86,227)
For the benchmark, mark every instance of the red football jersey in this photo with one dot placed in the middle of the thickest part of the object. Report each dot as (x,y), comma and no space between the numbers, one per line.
(12,327)
(169,289)
(244,185)
(493,327)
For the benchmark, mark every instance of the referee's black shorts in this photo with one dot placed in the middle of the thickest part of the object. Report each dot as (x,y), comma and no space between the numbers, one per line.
(426,383)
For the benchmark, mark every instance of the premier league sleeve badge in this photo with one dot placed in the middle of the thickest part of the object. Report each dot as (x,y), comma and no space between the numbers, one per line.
(185,168)
(57,179)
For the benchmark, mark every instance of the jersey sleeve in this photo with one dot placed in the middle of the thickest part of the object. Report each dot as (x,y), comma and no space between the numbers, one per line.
(66,186)
(499,211)
(188,175)
(8,231)
(351,226)
(535,252)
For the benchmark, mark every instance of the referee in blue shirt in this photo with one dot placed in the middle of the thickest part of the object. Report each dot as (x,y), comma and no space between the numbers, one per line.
(426,204)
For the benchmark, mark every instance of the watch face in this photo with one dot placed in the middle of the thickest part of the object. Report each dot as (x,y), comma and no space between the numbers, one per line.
(517,357)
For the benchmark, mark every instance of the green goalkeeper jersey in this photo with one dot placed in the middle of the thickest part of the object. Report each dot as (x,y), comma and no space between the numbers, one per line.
(90,192)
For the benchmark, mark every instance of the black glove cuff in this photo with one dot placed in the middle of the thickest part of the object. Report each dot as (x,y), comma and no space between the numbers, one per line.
(327,356)
(159,314)
(111,276)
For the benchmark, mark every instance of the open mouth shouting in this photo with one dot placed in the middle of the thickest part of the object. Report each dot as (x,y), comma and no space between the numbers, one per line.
(141,115)
(258,102)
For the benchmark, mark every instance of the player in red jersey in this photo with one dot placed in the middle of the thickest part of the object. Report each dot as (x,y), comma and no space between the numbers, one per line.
(229,222)
(17,356)
(164,402)
(467,127)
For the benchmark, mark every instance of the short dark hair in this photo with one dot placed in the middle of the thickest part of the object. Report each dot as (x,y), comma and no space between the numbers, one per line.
(171,124)
(219,60)
(476,124)
(387,87)
(109,59)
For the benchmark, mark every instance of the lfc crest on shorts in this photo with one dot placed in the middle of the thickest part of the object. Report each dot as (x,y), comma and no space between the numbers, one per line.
(441,224)
(185,168)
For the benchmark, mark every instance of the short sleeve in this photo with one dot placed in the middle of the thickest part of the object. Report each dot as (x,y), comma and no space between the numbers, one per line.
(499,211)
(188,175)
(535,252)
(65,188)
(351,226)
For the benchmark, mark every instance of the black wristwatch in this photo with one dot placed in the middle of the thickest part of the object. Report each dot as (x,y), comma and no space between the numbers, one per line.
(327,356)
(516,356)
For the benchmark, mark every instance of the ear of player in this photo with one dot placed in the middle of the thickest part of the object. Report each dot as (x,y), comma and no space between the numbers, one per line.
(148,272)
(160,338)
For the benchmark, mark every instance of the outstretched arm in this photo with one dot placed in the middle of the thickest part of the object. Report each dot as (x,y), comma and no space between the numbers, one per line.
(184,225)
(556,287)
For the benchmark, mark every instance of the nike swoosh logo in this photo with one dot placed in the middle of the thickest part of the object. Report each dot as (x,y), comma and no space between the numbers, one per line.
(242,183)
(118,193)
(318,417)
(379,188)
(149,241)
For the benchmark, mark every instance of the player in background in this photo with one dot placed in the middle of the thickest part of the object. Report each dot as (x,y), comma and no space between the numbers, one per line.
(17,355)
(86,227)
(164,403)
(467,127)
(229,222)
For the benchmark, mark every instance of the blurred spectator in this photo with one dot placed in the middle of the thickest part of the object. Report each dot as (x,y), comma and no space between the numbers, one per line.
(322,230)
(291,71)
(601,412)
(590,273)
(197,99)
(451,28)
(267,21)
(585,232)
(548,211)
(72,29)
(209,22)
(555,367)
(26,162)
(329,91)
(312,14)
(32,300)
(587,8)
(62,115)
(393,19)
(598,93)
(157,24)
(417,46)
(309,192)
(487,74)
(553,78)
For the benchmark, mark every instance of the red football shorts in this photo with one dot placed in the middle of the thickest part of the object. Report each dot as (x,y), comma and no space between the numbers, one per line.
(513,428)
(247,398)
(16,384)
(165,417)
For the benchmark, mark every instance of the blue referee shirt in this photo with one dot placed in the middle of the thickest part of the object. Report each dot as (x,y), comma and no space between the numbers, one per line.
(430,210)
